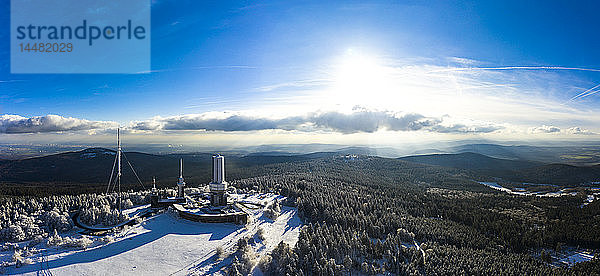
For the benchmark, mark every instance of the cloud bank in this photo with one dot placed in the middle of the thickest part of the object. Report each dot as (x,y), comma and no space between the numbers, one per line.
(12,124)
(359,121)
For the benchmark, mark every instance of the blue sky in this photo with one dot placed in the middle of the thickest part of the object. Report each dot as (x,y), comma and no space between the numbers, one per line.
(330,71)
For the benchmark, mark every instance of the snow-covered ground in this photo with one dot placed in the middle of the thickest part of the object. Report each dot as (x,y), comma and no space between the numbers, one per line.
(524,192)
(166,244)
(495,185)
(590,199)
(135,211)
(567,256)
(577,257)
(591,193)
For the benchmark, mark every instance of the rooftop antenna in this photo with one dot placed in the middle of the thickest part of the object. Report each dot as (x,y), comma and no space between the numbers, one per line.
(180,182)
(154,191)
(119,165)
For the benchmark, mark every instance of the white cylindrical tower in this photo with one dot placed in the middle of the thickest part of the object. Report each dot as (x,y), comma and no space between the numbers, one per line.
(218,186)
(218,169)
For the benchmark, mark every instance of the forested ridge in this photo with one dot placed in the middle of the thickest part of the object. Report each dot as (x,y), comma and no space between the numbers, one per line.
(514,170)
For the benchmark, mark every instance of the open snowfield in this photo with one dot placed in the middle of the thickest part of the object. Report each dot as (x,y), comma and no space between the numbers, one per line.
(524,192)
(577,257)
(166,244)
(591,194)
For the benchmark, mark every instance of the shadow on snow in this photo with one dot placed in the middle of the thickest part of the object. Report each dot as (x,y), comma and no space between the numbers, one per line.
(158,227)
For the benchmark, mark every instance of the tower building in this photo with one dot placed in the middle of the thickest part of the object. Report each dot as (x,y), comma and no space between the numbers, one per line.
(218,186)
(180,182)
(154,195)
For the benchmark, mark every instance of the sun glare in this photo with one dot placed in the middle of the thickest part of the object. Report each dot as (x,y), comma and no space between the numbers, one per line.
(371,81)
(361,79)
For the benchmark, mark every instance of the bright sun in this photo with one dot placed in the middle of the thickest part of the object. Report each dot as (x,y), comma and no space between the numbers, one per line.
(361,80)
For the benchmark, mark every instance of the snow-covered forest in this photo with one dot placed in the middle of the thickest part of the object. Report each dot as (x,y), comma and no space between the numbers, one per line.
(378,216)
(36,218)
(368,216)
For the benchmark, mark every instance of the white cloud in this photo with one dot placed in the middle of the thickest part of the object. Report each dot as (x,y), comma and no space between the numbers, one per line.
(544,129)
(463,61)
(50,123)
(451,125)
(294,84)
(579,131)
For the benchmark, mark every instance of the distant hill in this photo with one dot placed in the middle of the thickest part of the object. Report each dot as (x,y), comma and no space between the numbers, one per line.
(514,170)
(560,174)
(256,159)
(471,161)
(293,149)
(428,151)
(497,151)
(92,167)
(582,155)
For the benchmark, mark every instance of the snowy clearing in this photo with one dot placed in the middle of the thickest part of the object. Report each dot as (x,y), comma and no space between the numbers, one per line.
(165,244)
(524,192)
(577,257)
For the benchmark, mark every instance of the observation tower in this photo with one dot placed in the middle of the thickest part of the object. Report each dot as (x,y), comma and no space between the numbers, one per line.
(218,186)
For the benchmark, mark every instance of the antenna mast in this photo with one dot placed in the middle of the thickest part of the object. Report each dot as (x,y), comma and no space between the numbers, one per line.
(119,165)
(180,182)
